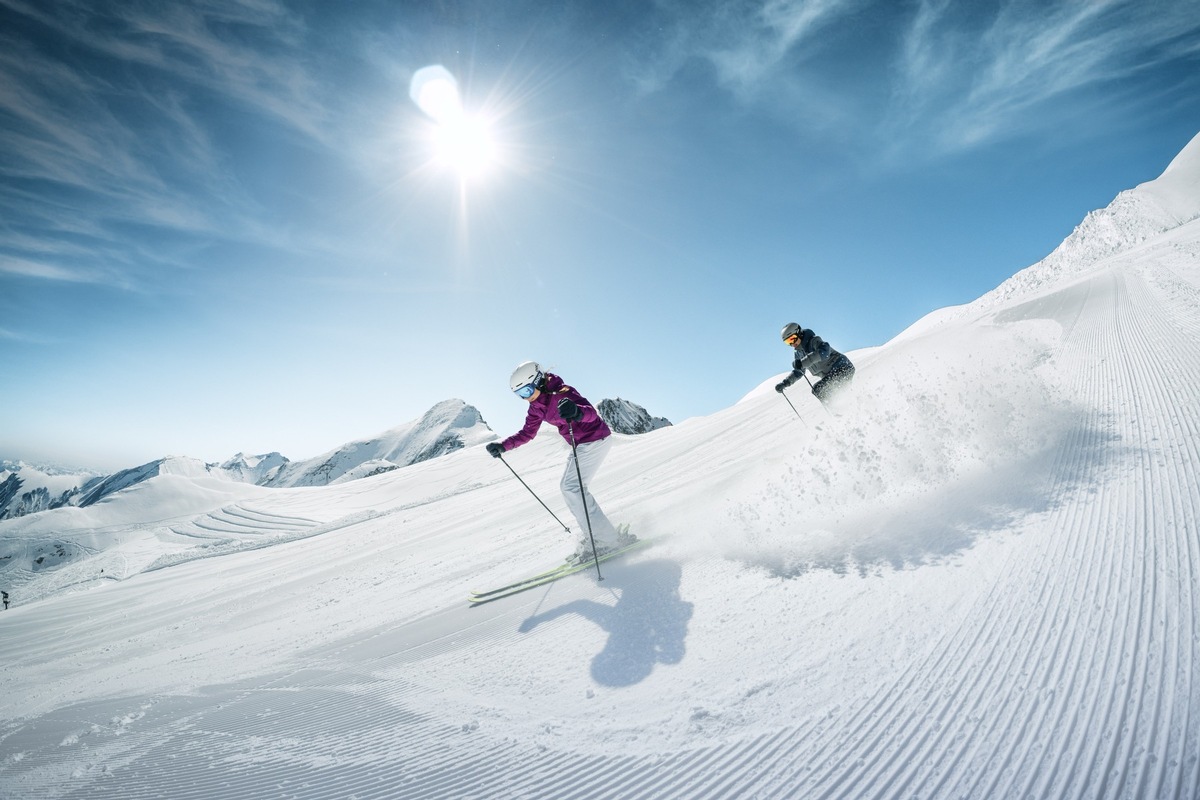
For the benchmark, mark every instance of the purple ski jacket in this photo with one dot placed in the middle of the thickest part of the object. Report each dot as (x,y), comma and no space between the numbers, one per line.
(544,408)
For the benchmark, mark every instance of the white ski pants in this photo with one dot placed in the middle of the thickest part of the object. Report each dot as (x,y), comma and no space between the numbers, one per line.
(591,454)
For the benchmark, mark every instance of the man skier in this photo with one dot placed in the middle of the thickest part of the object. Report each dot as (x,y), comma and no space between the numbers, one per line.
(815,355)
(551,400)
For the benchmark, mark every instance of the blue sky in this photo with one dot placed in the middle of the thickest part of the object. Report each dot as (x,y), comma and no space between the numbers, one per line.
(223,228)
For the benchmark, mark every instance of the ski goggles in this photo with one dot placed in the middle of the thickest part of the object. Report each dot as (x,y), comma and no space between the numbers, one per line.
(791,340)
(525,392)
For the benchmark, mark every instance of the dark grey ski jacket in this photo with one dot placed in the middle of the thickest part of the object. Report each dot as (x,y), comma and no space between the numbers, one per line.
(815,355)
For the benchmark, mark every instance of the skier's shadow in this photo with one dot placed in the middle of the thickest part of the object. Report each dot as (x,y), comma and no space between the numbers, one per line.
(647,626)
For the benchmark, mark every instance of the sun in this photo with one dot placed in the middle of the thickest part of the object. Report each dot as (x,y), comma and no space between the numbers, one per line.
(465,144)
(461,141)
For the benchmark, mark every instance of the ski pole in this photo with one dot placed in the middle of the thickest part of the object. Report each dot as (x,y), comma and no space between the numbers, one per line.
(583,498)
(532,492)
(789,402)
(814,391)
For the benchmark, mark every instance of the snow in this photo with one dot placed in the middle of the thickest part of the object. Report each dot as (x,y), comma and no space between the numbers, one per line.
(625,416)
(448,426)
(1175,189)
(26,488)
(976,576)
(56,481)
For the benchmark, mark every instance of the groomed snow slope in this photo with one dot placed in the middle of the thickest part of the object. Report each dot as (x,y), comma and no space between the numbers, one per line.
(979,579)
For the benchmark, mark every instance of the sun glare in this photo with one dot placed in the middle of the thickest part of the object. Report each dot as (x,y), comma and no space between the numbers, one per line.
(466,145)
(461,141)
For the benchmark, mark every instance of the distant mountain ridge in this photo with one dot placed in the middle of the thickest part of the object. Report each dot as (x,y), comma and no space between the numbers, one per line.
(254,469)
(623,416)
(449,426)
(28,489)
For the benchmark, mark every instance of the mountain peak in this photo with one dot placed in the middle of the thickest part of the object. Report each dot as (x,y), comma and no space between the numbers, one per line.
(630,418)
(1134,216)
(1177,190)
(448,426)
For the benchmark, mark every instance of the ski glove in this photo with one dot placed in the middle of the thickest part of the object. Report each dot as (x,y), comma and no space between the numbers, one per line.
(568,410)
(495,449)
(779,387)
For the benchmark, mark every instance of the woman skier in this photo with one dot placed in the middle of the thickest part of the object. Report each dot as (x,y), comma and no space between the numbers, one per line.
(551,400)
(815,355)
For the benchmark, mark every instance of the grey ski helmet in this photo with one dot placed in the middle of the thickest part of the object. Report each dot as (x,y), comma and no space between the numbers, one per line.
(527,373)
(789,330)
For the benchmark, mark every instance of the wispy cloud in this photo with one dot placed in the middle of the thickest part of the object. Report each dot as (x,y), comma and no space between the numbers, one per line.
(251,50)
(770,37)
(108,114)
(747,42)
(937,74)
(37,269)
(975,79)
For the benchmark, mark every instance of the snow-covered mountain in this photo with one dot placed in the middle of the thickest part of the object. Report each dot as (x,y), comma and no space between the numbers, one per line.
(171,465)
(28,489)
(623,416)
(450,425)
(25,489)
(1134,217)
(975,577)
(254,469)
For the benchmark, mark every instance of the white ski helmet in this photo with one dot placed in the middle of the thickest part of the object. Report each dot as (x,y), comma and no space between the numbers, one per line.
(789,330)
(528,373)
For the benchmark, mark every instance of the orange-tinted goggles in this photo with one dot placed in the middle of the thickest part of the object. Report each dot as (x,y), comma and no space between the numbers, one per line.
(791,340)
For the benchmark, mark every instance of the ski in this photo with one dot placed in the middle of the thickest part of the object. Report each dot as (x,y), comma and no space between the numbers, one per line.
(549,576)
(550,573)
